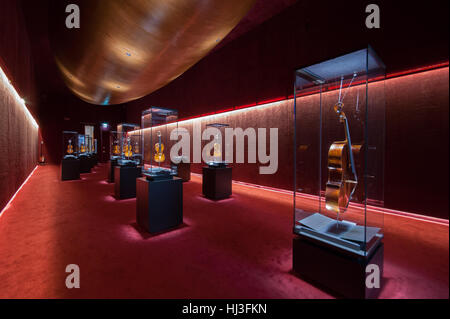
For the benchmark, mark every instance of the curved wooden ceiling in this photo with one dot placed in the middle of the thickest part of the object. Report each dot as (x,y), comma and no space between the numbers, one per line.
(126,49)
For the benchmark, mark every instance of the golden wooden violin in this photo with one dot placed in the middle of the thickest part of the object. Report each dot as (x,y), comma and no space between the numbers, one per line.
(69,148)
(127,151)
(159,149)
(217,150)
(217,147)
(82,148)
(342,177)
(116,149)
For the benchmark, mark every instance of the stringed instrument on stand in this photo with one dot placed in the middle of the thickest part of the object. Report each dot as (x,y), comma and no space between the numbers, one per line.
(116,149)
(217,148)
(342,175)
(69,148)
(159,150)
(127,151)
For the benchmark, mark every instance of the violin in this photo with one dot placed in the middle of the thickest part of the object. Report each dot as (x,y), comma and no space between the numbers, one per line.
(159,149)
(116,149)
(69,148)
(217,148)
(342,176)
(127,151)
(82,148)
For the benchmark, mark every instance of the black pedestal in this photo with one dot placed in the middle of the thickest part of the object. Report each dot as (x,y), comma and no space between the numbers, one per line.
(125,181)
(91,161)
(216,182)
(70,169)
(111,165)
(159,204)
(338,271)
(85,164)
(184,171)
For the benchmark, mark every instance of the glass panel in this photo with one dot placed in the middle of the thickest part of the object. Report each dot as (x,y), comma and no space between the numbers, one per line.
(157,125)
(89,131)
(115,150)
(339,149)
(70,144)
(216,156)
(129,144)
(88,140)
(82,145)
(95,146)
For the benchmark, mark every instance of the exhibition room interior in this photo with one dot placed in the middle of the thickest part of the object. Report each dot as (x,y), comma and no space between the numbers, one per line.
(239,149)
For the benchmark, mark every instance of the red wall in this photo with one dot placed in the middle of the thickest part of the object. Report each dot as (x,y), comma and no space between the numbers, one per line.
(417,139)
(18,137)
(68,113)
(259,66)
(415,179)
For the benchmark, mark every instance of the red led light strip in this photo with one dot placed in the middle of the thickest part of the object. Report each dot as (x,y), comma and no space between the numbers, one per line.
(284,98)
(372,209)
(15,194)
(386,211)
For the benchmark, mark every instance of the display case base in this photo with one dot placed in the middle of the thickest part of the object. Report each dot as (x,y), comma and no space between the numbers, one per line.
(184,171)
(111,166)
(85,164)
(70,169)
(339,272)
(217,182)
(159,204)
(91,161)
(125,181)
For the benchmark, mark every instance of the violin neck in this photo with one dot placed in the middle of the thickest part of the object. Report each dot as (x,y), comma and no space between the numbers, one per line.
(349,145)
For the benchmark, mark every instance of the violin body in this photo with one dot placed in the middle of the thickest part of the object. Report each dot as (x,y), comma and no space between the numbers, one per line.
(82,148)
(217,150)
(116,150)
(342,182)
(127,151)
(69,148)
(342,176)
(159,155)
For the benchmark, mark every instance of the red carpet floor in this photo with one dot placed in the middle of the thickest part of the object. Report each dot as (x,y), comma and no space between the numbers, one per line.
(236,248)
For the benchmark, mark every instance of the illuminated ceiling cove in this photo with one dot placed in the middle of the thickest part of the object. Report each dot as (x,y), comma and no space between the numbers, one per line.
(126,49)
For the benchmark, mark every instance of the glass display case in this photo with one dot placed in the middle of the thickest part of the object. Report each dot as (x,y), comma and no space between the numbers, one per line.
(127,127)
(129,138)
(215,149)
(339,152)
(115,148)
(94,146)
(89,145)
(131,149)
(70,144)
(157,125)
(82,145)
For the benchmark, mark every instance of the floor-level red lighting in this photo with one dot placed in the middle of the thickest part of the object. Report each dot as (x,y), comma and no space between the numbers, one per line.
(15,194)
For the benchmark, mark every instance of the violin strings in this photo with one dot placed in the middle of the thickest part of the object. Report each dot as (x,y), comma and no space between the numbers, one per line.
(348,87)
